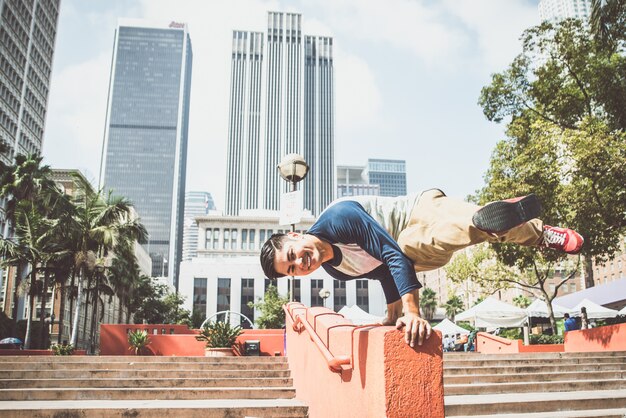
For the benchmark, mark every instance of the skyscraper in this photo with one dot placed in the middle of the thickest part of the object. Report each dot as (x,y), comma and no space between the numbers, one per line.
(196,204)
(145,143)
(561,9)
(27,39)
(281,102)
(390,175)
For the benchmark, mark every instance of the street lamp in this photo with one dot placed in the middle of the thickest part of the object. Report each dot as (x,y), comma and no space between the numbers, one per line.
(324,294)
(293,169)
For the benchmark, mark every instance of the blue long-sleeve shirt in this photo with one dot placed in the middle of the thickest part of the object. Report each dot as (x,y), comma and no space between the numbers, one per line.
(347,222)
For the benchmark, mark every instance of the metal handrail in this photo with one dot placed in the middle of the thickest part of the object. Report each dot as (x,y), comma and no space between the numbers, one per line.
(336,364)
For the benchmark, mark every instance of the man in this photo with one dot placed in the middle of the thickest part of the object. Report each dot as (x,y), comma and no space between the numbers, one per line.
(570,323)
(390,239)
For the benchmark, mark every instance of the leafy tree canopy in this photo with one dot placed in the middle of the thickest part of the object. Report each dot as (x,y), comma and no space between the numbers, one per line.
(271,307)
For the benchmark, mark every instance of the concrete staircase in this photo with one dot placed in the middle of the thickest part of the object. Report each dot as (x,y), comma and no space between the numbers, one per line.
(80,386)
(537,385)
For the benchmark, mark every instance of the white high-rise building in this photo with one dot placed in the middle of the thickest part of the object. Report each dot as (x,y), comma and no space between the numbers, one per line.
(554,10)
(281,102)
(196,204)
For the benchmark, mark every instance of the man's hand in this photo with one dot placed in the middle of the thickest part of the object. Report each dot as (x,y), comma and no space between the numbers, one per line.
(415,328)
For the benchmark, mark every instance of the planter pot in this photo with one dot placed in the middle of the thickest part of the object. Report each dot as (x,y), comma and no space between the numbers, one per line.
(218,352)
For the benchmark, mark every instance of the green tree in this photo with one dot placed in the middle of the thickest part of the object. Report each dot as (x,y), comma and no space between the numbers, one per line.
(428,303)
(271,307)
(521,301)
(453,306)
(608,23)
(565,95)
(154,304)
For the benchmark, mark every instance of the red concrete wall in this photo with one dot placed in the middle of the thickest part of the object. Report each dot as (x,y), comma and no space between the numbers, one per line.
(114,340)
(388,378)
(492,344)
(607,338)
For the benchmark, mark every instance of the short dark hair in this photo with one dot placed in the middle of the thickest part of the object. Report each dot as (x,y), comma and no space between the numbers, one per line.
(565,315)
(268,254)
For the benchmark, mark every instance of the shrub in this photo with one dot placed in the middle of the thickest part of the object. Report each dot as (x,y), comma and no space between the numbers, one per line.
(62,349)
(137,340)
(219,334)
(546,339)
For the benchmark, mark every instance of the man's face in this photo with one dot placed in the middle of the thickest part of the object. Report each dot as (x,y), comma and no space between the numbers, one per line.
(299,255)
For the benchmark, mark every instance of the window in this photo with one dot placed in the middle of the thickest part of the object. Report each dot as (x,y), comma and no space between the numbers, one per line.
(362,294)
(247,296)
(199,296)
(226,238)
(233,239)
(261,238)
(251,243)
(316,286)
(339,287)
(296,290)
(244,239)
(207,238)
(216,238)
(223,297)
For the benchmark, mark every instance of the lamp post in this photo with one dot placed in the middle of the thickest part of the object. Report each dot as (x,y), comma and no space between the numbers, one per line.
(293,169)
(324,294)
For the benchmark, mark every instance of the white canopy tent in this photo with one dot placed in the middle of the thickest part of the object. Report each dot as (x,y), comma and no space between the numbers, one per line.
(358,316)
(493,313)
(594,311)
(448,327)
(539,309)
(623,311)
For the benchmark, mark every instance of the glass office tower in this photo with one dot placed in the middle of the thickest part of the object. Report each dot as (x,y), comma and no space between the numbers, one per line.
(390,175)
(145,145)
(281,102)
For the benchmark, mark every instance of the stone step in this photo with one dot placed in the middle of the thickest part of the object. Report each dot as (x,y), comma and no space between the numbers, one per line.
(523,403)
(555,367)
(517,356)
(526,387)
(233,365)
(590,413)
(164,393)
(140,359)
(145,383)
(535,377)
(232,408)
(537,362)
(141,374)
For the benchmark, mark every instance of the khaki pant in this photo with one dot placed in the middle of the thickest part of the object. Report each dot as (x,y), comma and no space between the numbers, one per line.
(440,225)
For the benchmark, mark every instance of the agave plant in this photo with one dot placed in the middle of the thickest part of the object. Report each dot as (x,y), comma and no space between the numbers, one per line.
(219,334)
(137,340)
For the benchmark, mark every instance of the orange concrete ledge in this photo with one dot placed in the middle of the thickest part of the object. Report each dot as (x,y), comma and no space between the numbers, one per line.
(492,344)
(383,376)
(114,340)
(607,338)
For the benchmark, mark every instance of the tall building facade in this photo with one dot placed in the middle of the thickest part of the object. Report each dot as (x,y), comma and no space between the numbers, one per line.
(562,9)
(196,204)
(27,40)
(145,143)
(390,175)
(281,102)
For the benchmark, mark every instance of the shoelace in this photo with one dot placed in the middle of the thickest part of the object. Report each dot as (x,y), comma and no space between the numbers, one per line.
(551,236)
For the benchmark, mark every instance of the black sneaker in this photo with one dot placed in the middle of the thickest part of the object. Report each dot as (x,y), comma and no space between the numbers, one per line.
(503,215)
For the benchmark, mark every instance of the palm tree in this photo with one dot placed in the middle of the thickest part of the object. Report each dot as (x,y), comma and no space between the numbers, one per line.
(608,22)
(97,226)
(453,306)
(428,301)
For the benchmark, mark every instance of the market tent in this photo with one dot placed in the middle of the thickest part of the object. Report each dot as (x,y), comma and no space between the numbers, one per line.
(623,311)
(448,327)
(493,313)
(539,309)
(358,316)
(594,311)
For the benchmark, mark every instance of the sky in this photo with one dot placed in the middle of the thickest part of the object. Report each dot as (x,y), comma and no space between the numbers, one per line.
(408,75)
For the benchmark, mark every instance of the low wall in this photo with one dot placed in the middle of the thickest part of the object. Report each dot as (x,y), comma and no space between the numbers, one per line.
(16,352)
(386,377)
(606,338)
(492,344)
(114,340)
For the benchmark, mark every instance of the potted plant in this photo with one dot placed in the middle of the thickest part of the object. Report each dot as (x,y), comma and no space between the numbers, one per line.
(219,337)
(138,340)
(62,349)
